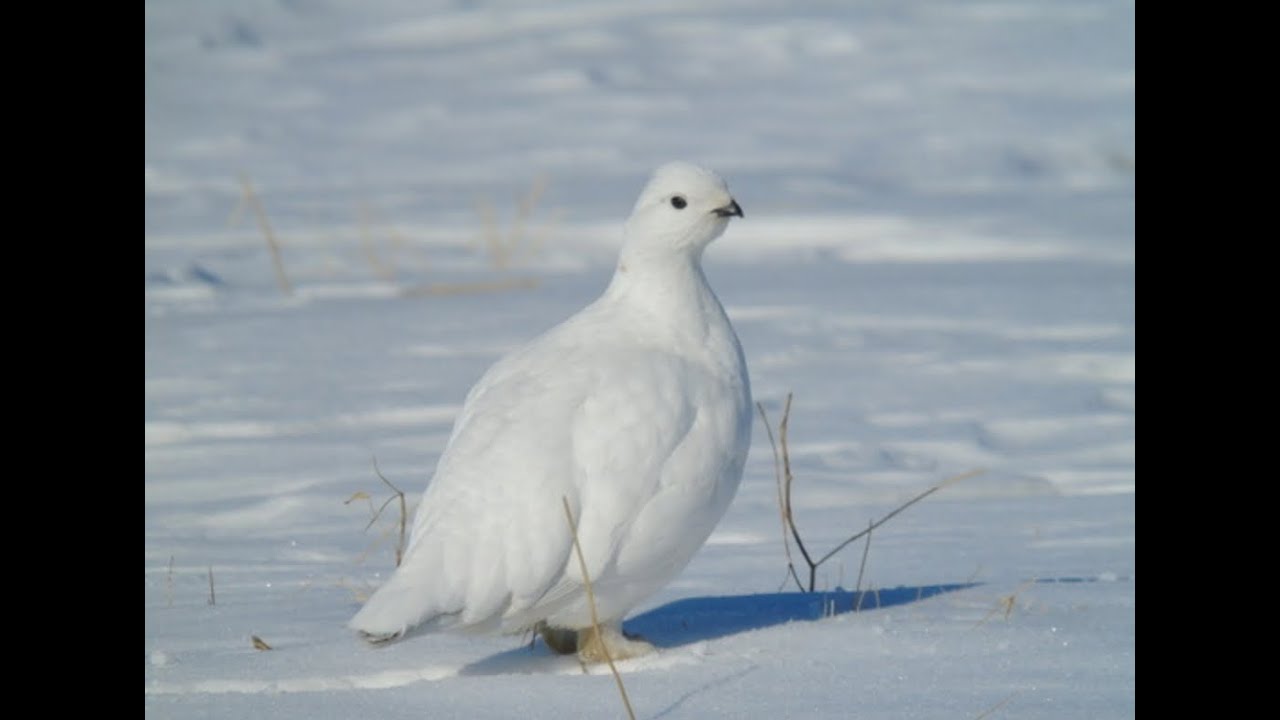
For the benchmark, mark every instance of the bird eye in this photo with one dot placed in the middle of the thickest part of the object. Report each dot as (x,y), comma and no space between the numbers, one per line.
(678,202)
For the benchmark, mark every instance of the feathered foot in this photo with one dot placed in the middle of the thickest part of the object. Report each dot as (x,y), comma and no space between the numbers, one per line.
(592,644)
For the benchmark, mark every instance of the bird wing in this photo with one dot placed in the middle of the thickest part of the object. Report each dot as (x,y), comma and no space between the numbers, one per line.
(481,539)
(588,421)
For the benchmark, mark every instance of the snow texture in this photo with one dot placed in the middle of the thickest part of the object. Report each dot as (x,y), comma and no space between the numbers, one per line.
(937,259)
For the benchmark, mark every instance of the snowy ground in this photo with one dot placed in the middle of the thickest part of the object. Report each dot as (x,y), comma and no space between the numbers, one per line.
(937,259)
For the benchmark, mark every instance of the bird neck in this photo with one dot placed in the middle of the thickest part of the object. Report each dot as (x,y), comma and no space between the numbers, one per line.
(659,271)
(667,288)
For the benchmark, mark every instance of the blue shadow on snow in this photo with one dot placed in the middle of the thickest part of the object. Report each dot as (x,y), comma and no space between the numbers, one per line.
(706,618)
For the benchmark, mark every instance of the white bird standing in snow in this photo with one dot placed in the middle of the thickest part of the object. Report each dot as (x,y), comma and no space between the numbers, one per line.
(637,410)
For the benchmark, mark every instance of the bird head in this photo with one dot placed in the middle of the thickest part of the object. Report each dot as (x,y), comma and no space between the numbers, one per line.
(681,209)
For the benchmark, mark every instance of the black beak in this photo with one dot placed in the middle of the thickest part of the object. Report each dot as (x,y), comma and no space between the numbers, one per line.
(729,210)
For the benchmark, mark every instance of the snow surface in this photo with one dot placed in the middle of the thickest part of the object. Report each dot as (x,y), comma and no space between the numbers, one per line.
(937,258)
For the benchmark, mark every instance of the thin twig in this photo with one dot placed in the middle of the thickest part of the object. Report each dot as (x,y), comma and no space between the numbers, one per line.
(1006,603)
(976,572)
(863,566)
(787,479)
(361,495)
(168,584)
(591,603)
(212,599)
(254,202)
(360,594)
(949,481)
(782,507)
(995,707)
(403,511)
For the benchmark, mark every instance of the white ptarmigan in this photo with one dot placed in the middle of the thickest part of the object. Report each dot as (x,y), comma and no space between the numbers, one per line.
(637,410)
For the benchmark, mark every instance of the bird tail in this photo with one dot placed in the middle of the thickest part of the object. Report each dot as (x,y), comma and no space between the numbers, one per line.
(390,612)
(377,639)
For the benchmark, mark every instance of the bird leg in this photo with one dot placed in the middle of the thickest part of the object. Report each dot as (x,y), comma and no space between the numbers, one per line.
(561,640)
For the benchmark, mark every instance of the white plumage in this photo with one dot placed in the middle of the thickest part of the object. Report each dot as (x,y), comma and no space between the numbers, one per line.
(637,410)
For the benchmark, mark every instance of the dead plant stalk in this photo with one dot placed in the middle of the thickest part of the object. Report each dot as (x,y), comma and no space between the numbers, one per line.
(591,603)
(404,511)
(250,198)
(784,477)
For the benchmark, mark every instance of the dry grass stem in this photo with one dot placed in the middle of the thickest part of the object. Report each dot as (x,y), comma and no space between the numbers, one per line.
(782,503)
(503,248)
(997,706)
(360,594)
(788,478)
(360,495)
(866,549)
(976,572)
(168,584)
(213,600)
(250,198)
(949,481)
(785,479)
(404,511)
(1006,603)
(375,513)
(591,603)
